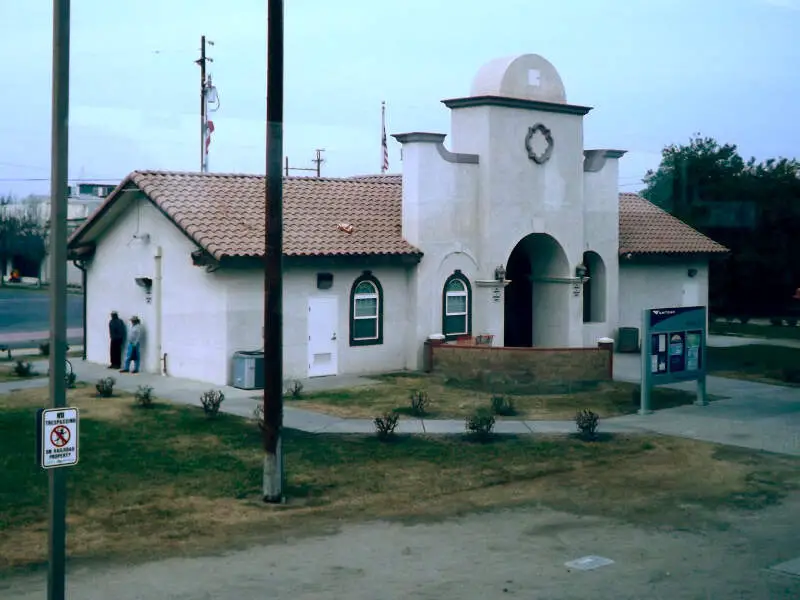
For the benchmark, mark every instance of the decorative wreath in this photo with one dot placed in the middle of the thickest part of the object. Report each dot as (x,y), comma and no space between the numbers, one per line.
(542,158)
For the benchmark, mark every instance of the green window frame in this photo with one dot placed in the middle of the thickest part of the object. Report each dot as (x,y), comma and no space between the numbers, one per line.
(456,306)
(366,311)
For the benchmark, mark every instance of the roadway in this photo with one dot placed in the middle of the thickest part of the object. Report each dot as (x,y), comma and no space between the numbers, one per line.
(26,310)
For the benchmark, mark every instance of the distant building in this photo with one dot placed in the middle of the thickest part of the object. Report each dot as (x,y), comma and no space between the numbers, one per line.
(82,201)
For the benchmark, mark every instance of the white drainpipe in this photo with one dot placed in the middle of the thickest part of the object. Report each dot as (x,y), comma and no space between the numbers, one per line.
(157,306)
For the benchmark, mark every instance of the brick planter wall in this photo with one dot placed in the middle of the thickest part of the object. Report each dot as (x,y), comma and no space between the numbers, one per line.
(522,370)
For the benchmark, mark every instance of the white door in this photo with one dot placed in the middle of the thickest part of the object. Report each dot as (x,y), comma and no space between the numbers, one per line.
(323,316)
(691,293)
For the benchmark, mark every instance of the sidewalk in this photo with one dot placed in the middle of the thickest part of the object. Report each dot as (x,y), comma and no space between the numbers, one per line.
(243,403)
(752,415)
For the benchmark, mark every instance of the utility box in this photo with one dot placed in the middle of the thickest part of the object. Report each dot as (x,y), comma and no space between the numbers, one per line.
(248,370)
(628,339)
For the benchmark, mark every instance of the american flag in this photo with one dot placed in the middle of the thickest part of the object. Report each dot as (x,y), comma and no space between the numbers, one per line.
(384,146)
(209,131)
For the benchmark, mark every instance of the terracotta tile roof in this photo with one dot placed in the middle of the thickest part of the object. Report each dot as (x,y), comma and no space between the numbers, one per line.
(224,213)
(361,215)
(385,178)
(646,229)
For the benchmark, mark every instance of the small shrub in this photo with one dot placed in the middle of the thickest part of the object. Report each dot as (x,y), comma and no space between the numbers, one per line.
(729,318)
(44,348)
(791,374)
(295,389)
(744,320)
(69,380)
(419,403)
(22,368)
(776,322)
(503,406)
(144,396)
(385,424)
(791,322)
(480,423)
(105,387)
(211,401)
(587,422)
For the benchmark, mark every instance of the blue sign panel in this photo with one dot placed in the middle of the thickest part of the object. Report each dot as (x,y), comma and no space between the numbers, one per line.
(676,348)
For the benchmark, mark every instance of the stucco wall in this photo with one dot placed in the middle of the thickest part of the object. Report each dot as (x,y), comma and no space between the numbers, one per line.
(192,301)
(601,235)
(472,216)
(245,316)
(659,284)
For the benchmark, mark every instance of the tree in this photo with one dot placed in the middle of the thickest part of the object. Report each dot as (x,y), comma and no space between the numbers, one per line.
(700,171)
(762,271)
(22,236)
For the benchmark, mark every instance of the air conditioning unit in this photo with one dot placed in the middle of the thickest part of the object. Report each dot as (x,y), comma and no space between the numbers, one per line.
(248,370)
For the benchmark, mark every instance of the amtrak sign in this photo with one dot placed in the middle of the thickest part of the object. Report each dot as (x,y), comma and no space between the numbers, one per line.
(673,350)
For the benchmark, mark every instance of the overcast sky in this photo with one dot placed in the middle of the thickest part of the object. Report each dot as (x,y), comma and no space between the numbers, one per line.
(655,71)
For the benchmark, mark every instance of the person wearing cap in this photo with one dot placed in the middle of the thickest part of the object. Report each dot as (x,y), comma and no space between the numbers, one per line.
(116,333)
(134,354)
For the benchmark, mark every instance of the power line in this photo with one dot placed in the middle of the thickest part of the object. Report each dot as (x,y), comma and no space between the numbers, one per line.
(74,180)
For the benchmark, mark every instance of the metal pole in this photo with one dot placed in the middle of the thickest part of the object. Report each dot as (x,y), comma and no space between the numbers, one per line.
(645,383)
(56,574)
(202,103)
(273,259)
(383,137)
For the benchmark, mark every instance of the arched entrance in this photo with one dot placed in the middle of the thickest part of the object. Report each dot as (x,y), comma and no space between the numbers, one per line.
(536,300)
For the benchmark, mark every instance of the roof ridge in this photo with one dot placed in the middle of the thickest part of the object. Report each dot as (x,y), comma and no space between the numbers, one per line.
(230,175)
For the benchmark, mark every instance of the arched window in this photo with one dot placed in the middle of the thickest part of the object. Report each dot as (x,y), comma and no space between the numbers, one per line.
(366,311)
(594,289)
(456,306)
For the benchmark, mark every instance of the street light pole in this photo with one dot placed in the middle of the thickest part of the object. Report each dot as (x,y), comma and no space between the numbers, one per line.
(273,260)
(56,573)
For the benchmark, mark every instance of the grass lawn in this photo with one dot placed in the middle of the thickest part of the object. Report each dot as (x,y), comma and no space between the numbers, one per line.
(756,363)
(450,400)
(166,480)
(763,331)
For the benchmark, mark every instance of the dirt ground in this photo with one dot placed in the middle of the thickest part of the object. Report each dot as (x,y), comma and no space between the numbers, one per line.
(516,553)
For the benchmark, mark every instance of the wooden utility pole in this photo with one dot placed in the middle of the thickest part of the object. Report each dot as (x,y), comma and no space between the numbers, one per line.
(318,161)
(59,157)
(272,490)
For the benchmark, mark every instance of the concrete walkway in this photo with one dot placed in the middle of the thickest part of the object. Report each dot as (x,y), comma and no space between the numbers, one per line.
(752,415)
(728,341)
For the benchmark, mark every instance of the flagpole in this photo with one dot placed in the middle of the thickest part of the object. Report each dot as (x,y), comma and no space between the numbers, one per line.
(384,148)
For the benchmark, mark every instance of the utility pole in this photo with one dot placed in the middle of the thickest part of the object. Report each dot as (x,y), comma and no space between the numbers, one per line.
(318,161)
(59,157)
(272,489)
(203,116)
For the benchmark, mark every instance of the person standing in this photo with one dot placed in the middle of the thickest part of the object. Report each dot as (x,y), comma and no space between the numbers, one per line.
(116,332)
(134,354)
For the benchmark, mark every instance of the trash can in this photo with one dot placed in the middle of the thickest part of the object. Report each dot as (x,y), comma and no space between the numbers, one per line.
(628,339)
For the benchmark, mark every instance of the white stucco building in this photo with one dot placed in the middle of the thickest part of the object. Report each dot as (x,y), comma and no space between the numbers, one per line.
(516,231)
